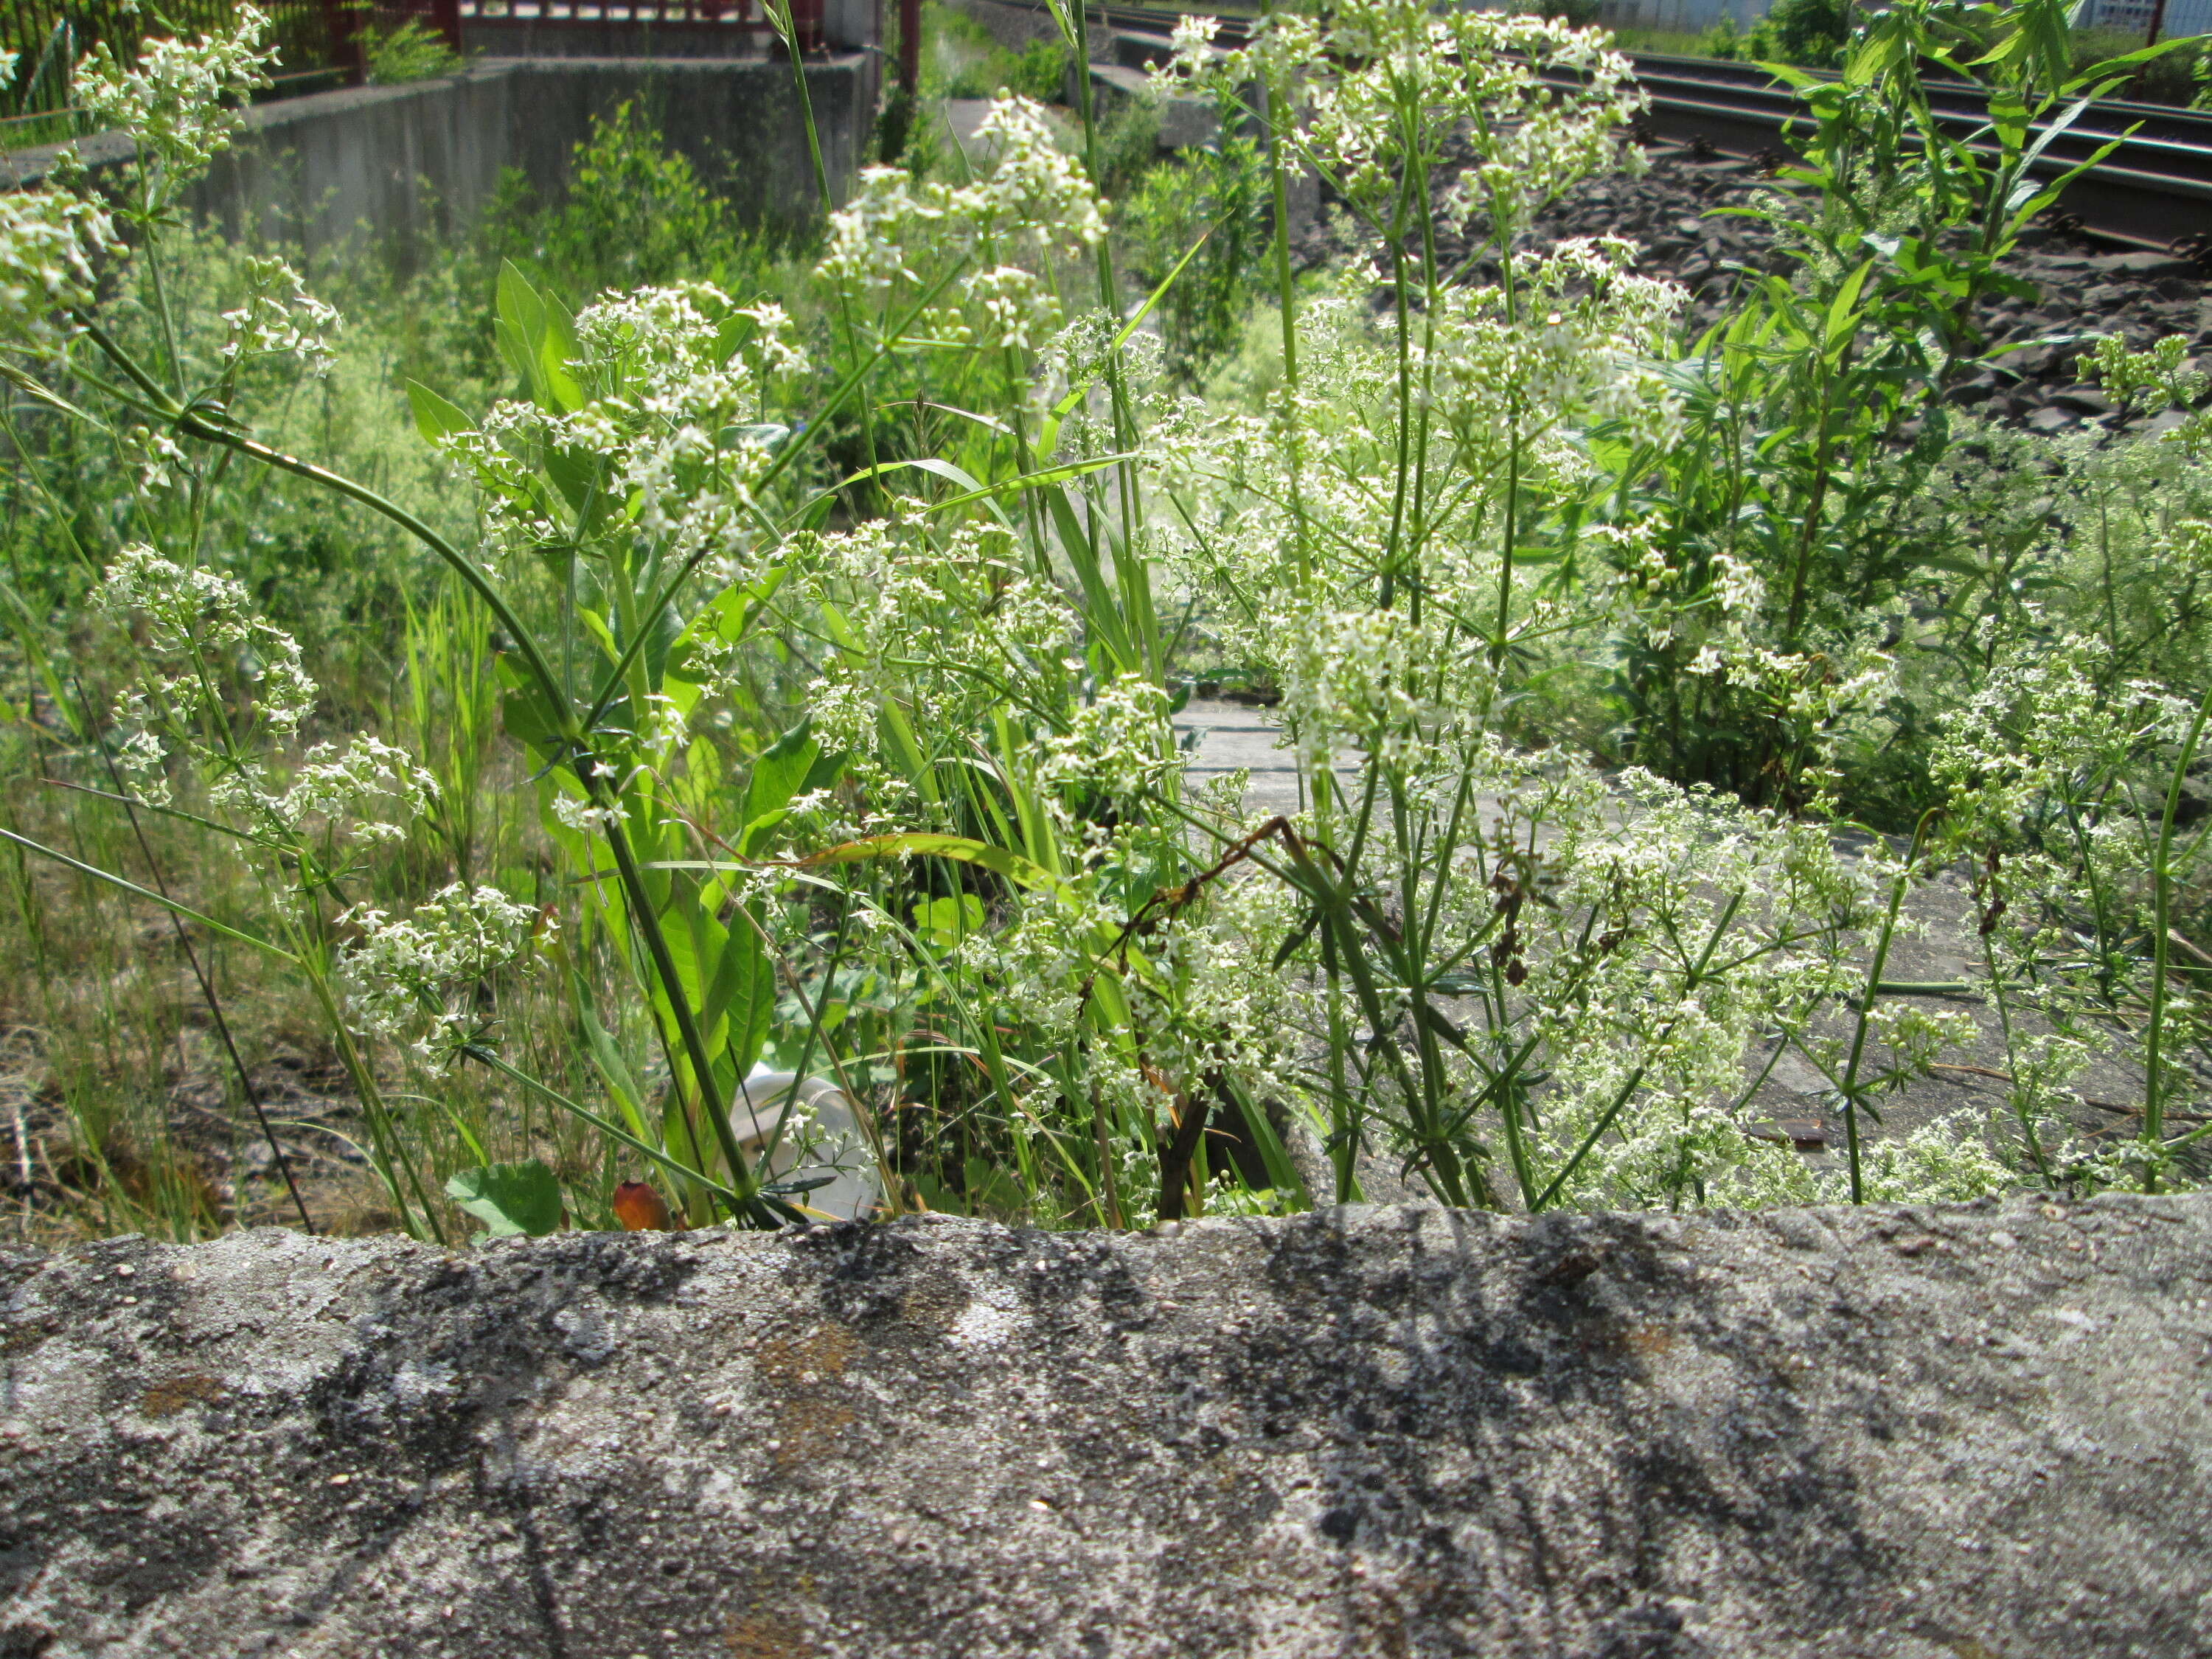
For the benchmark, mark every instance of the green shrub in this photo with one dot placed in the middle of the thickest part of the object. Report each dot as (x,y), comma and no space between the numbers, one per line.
(634,213)
(410,51)
(1806,32)
(1219,193)
(960,59)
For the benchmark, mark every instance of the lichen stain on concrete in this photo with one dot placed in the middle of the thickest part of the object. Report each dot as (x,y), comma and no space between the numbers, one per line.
(180,1394)
(754,1637)
(791,1362)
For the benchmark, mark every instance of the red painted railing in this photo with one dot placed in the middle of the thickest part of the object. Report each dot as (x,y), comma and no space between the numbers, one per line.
(453,18)
(320,43)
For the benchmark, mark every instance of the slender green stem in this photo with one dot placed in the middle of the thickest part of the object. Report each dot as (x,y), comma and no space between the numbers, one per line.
(606,1126)
(2161,871)
(646,920)
(1850,1088)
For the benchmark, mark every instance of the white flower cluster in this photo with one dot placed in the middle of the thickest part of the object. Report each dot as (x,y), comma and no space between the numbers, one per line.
(200,616)
(1626,1030)
(898,235)
(1353,676)
(942,626)
(675,382)
(2159,372)
(370,789)
(1387,79)
(1570,335)
(2043,727)
(1121,742)
(198,630)
(1946,1161)
(280,318)
(179,102)
(417,980)
(48,241)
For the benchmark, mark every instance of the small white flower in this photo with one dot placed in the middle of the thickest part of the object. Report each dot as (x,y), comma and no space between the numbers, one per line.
(415,980)
(582,816)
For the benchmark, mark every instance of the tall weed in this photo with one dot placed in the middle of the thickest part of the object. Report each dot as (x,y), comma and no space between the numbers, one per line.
(752,772)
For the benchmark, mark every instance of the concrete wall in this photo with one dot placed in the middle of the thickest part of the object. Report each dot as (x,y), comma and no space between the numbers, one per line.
(1881,1433)
(422,159)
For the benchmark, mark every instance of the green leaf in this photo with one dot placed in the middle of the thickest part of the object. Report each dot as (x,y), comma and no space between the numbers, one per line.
(524,712)
(778,774)
(554,347)
(614,1071)
(511,1200)
(536,339)
(2117,68)
(905,747)
(1101,612)
(519,321)
(745,990)
(1843,319)
(435,417)
(945,921)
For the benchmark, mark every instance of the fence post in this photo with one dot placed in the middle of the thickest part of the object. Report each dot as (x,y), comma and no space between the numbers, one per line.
(806,25)
(348,54)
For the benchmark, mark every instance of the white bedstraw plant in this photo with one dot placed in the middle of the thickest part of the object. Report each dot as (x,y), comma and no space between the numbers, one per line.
(870,770)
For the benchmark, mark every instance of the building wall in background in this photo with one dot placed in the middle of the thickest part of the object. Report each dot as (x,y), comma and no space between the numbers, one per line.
(2182,17)
(1685,16)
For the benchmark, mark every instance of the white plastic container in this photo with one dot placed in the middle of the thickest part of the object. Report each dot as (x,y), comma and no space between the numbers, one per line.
(821,1137)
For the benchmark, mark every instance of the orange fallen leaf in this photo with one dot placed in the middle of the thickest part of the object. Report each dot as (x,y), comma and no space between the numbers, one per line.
(642,1210)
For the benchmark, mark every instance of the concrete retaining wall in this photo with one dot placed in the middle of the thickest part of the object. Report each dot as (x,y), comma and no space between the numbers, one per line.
(422,159)
(1971,1433)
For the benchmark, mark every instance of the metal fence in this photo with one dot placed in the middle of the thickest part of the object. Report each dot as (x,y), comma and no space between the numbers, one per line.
(320,43)
(315,41)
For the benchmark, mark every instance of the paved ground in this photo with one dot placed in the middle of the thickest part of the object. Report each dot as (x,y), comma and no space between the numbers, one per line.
(1228,735)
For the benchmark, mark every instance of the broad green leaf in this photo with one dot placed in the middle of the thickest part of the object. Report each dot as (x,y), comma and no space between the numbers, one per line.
(743,992)
(520,320)
(524,714)
(434,416)
(780,774)
(945,922)
(511,1200)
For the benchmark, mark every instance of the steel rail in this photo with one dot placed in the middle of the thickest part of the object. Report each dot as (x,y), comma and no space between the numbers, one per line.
(2154,191)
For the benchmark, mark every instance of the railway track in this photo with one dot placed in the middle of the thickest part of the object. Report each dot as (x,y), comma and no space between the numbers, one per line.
(2153,192)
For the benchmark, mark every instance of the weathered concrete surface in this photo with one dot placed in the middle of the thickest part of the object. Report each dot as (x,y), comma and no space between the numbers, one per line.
(1933,1434)
(419,161)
